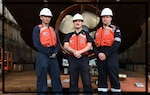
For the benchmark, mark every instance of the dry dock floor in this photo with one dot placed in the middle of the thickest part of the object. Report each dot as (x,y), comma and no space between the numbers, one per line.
(24,83)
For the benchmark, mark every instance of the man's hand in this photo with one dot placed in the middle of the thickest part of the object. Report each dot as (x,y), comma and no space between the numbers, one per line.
(77,54)
(102,56)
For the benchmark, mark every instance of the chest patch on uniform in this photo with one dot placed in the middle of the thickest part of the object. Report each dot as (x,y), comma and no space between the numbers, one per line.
(45,34)
(71,41)
(117,30)
(82,40)
(106,32)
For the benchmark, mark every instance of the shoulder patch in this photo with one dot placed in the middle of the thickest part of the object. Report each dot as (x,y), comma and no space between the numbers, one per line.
(117,30)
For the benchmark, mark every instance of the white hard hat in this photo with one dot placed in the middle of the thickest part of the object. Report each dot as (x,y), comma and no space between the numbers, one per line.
(45,12)
(106,11)
(77,17)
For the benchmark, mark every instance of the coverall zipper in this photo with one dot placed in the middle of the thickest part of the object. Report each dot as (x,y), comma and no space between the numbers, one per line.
(51,36)
(77,42)
(101,37)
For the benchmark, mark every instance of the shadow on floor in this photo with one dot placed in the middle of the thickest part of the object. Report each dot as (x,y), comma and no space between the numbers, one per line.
(66,92)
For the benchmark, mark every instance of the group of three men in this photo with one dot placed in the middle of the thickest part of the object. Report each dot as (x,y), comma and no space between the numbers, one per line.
(78,43)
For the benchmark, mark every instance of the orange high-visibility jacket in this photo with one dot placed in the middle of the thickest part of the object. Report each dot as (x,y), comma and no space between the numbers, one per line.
(104,37)
(47,36)
(78,42)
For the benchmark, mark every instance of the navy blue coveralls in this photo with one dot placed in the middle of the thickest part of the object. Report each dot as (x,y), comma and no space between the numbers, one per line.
(46,65)
(110,66)
(79,66)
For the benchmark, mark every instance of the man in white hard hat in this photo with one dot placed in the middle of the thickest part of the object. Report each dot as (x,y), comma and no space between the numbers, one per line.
(78,43)
(108,40)
(47,46)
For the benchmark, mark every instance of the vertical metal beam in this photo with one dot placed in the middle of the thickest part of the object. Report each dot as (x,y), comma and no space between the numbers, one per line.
(3,19)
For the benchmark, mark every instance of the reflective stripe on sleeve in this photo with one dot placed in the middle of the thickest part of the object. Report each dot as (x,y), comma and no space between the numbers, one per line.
(118,39)
(103,89)
(115,90)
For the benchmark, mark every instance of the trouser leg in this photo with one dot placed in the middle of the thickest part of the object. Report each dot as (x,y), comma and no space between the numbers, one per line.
(41,71)
(113,71)
(102,78)
(54,72)
(74,76)
(83,64)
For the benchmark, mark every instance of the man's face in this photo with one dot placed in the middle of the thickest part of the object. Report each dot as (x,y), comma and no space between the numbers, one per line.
(106,19)
(45,19)
(78,23)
